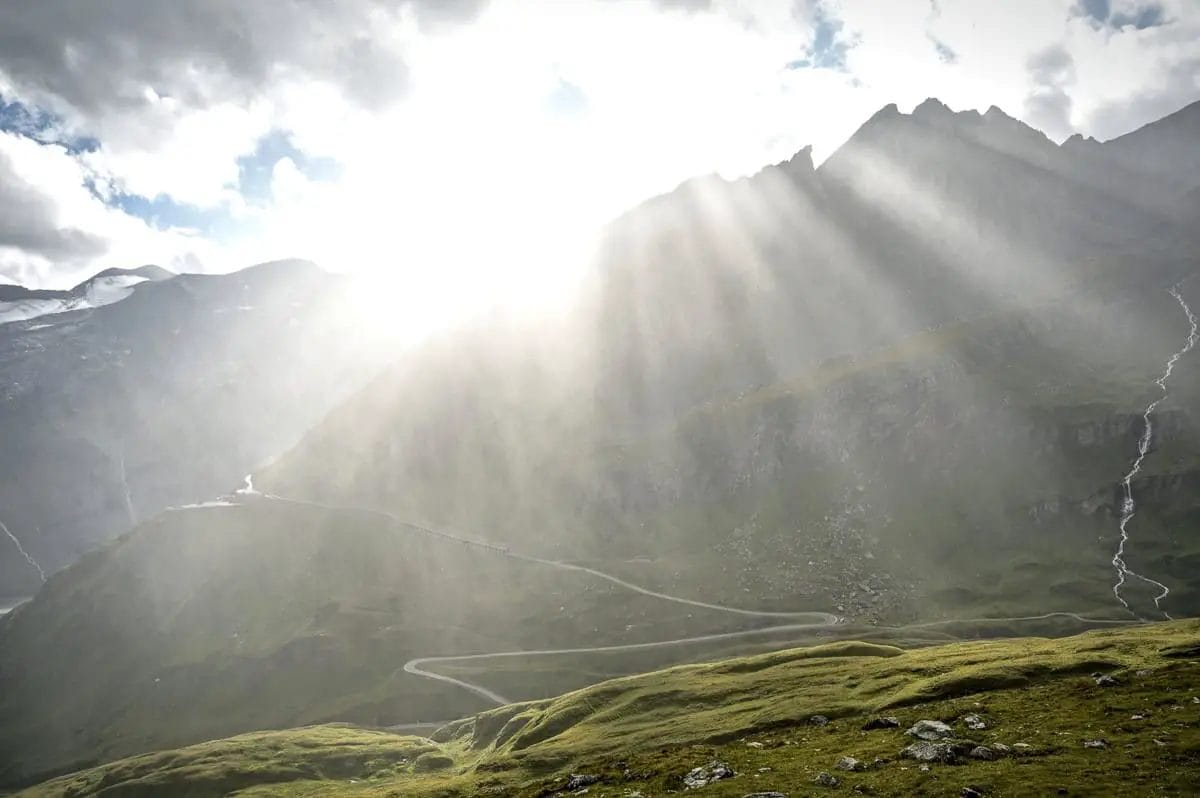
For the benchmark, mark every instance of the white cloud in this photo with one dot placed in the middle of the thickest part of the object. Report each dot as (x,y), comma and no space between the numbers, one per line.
(56,232)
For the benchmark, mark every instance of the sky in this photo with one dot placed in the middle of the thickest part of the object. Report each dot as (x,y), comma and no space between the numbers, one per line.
(474,147)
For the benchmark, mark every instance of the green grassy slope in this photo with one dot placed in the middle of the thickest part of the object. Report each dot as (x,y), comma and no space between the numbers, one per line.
(209,622)
(642,734)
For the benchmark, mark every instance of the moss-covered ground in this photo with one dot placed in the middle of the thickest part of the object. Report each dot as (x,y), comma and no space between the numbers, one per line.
(642,734)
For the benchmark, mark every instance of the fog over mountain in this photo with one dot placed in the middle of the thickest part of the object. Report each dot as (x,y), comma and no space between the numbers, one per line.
(946,376)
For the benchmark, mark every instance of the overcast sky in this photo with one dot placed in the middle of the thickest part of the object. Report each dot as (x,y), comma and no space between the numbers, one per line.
(443,142)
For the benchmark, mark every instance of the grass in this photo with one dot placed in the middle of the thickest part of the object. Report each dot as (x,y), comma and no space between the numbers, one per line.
(643,733)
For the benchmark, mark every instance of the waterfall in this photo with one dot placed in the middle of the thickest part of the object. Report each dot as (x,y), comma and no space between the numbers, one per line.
(1128,505)
(28,557)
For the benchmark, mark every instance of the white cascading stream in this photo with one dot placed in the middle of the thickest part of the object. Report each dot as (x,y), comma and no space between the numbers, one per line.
(1128,505)
(28,557)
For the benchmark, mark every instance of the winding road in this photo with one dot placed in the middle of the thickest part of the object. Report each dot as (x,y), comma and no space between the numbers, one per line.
(802,621)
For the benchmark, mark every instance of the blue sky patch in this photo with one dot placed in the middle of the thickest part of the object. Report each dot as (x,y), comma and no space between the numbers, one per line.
(254,184)
(829,47)
(944,52)
(34,123)
(254,169)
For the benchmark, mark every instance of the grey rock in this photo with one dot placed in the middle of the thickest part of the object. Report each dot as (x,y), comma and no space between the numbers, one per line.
(975,722)
(883,722)
(819,720)
(578,780)
(771,794)
(826,779)
(970,792)
(1105,680)
(1000,748)
(930,730)
(944,751)
(707,774)
(851,764)
(1095,744)
(984,753)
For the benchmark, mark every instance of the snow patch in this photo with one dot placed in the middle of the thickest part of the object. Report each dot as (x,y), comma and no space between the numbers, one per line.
(97,293)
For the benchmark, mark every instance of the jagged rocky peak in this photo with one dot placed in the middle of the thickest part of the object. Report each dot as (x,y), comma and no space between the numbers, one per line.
(935,112)
(889,111)
(1078,141)
(800,164)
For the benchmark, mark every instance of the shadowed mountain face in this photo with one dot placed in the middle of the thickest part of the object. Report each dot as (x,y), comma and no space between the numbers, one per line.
(165,396)
(909,381)
(904,385)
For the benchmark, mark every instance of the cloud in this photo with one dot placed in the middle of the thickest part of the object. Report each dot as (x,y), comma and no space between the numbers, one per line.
(54,230)
(97,59)
(1137,15)
(29,221)
(1179,87)
(175,91)
(366,132)
(1096,10)
(944,52)
(1048,105)
(690,6)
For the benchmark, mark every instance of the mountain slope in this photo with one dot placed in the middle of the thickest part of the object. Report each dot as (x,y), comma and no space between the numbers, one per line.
(644,734)
(104,288)
(908,382)
(218,619)
(168,396)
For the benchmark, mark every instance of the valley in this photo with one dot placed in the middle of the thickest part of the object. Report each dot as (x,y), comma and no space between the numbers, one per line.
(859,453)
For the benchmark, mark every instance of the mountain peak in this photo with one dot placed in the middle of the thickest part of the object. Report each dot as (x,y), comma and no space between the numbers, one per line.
(932,108)
(801,163)
(997,114)
(147,272)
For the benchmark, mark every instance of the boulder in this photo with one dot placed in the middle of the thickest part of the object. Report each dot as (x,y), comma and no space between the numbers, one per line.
(930,730)
(974,722)
(851,764)
(580,780)
(944,751)
(707,774)
(882,722)
(826,779)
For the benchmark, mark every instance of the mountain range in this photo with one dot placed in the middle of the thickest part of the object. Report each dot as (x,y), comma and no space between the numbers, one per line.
(901,388)
(138,390)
